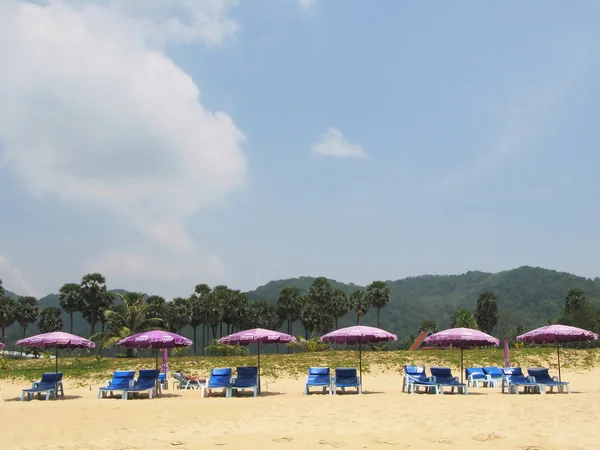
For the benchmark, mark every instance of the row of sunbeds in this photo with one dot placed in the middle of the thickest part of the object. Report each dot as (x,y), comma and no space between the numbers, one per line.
(512,378)
(415,378)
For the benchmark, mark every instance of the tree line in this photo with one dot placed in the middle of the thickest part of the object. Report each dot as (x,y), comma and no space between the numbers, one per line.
(210,312)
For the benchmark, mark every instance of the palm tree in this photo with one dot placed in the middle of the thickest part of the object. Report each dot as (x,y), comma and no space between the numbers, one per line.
(93,294)
(69,299)
(378,295)
(26,312)
(7,314)
(289,305)
(360,303)
(50,319)
(320,293)
(339,305)
(131,316)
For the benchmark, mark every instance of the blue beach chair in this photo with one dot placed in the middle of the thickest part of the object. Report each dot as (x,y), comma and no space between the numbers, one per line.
(494,375)
(476,375)
(146,382)
(318,377)
(513,378)
(542,376)
(443,376)
(48,384)
(247,378)
(121,380)
(220,378)
(345,377)
(414,378)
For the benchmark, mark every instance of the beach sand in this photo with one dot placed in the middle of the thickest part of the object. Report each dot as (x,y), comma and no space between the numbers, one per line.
(383,417)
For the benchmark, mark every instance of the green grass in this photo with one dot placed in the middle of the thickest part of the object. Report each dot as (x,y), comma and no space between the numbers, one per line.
(95,369)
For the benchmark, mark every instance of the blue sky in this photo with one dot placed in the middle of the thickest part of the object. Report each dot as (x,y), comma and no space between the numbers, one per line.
(167,143)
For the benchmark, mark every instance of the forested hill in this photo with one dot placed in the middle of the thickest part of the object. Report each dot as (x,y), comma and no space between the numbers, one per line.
(528,295)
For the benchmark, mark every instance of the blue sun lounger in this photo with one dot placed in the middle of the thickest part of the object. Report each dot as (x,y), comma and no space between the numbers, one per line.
(414,378)
(146,382)
(443,376)
(247,378)
(220,378)
(318,377)
(48,384)
(121,380)
(345,377)
(543,377)
(476,375)
(494,375)
(513,378)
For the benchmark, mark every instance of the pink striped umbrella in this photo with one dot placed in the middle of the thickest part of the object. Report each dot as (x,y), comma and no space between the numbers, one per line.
(358,334)
(56,339)
(257,336)
(461,337)
(156,340)
(553,334)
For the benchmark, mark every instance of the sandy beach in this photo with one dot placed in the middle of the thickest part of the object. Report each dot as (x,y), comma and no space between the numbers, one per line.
(383,417)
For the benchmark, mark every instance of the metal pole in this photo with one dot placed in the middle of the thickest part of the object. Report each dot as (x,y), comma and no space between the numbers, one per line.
(56,374)
(360,360)
(461,363)
(558,355)
(258,367)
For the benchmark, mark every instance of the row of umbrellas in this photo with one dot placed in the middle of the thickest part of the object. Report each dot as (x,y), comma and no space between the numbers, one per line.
(455,337)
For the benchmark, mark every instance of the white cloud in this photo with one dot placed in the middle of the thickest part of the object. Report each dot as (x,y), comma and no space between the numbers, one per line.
(13,280)
(93,112)
(334,144)
(305,4)
(130,270)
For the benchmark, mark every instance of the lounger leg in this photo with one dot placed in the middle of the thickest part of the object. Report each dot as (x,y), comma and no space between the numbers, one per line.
(22,396)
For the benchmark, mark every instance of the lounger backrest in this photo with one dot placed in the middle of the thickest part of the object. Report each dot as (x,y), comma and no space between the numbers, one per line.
(540,374)
(247,373)
(122,378)
(346,373)
(148,374)
(416,373)
(494,372)
(319,375)
(476,373)
(514,373)
(146,379)
(441,373)
(51,377)
(220,377)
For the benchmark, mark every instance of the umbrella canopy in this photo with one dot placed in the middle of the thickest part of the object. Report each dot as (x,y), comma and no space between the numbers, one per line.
(358,334)
(156,340)
(554,334)
(1,345)
(557,333)
(258,336)
(461,337)
(56,339)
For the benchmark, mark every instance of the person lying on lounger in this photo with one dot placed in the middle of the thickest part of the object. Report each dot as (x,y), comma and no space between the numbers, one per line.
(188,377)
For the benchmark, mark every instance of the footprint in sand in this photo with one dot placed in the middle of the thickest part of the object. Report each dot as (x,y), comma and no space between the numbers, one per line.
(441,441)
(333,444)
(482,437)
(532,447)
(284,439)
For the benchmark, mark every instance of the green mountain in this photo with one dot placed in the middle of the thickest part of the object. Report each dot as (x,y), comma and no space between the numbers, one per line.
(530,296)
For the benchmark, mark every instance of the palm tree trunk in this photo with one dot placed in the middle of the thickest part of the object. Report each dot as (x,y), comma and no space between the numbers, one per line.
(336,323)
(378,309)
(221,329)
(3,336)
(289,350)
(71,320)
(357,319)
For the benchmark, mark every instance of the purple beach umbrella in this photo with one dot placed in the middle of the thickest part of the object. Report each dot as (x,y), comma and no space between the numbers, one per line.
(1,345)
(461,337)
(156,340)
(554,334)
(358,334)
(56,340)
(257,336)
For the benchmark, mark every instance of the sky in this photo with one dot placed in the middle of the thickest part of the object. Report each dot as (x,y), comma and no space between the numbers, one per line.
(168,143)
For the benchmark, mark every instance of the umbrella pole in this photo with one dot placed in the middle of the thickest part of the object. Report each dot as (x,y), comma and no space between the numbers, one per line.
(156,366)
(258,367)
(558,356)
(56,374)
(360,362)
(461,363)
